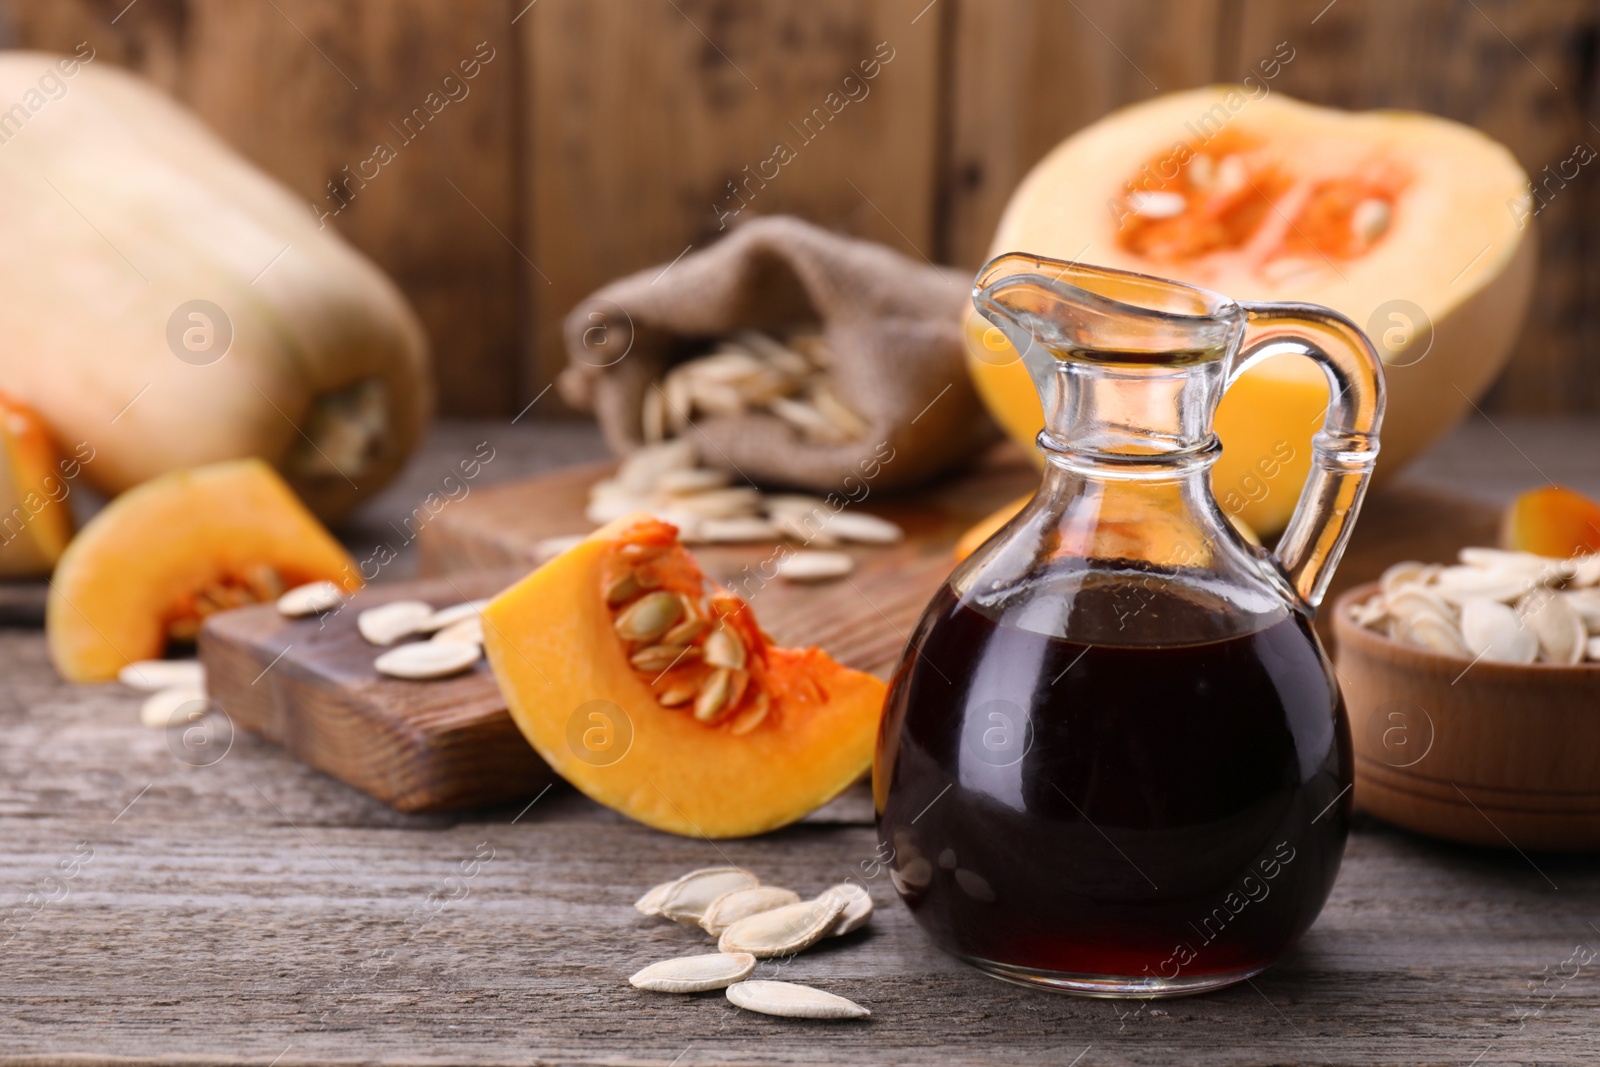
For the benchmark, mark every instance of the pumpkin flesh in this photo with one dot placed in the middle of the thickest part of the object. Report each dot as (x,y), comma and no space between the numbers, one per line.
(553,643)
(136,575)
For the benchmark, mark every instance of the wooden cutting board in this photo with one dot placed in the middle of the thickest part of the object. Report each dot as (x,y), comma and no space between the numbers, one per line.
(432,746)
(309,684)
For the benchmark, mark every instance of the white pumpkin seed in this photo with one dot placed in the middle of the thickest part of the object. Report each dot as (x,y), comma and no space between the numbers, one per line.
(1369,612)
(857,908)
(809,566)
(1556,625)
(1459,584)
(737,531)
(639,470)
(1414,600)
(695,974)
(428,659)
(388,623)
(730,907)
(713,695)
(783,931)
(690,480)
(1432,632)
(1370,219)
(154,675)
(724,649)
(1586,570)
(1586,602)
(1493,632)
(465,631)
(312,598)
(453,614)
(160,709)
(1158,204)
(864,529)
(687,900)
(793,1001)
(650,903)
(1404,574)
(649,617)
(730,503)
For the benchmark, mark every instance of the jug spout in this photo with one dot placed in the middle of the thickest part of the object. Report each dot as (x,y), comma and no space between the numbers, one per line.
(1125,365)
(1071,311)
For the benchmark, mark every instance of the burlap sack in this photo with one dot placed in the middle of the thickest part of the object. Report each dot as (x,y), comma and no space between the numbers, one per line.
(892,324)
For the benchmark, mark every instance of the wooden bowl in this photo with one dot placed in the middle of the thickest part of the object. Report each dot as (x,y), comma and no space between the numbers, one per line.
(1486,753)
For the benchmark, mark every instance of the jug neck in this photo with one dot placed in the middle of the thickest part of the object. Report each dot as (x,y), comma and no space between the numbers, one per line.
(1145,421)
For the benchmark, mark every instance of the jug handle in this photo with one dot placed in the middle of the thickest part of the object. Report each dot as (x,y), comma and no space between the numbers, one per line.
(1343,451)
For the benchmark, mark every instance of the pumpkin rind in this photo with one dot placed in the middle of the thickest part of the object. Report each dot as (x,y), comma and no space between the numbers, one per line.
(121,211)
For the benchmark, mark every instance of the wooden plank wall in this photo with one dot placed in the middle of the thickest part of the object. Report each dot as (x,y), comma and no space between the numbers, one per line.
(603,135)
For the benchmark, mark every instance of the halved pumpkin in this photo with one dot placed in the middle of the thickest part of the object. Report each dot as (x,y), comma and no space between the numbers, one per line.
(1552,521)
(660,697)
(35,480)
(155,561)
(1415,227)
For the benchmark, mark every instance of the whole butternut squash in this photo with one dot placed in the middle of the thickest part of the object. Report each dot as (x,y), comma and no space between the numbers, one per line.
(172,306)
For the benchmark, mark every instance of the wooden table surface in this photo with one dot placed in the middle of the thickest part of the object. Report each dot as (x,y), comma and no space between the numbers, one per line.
(214,906)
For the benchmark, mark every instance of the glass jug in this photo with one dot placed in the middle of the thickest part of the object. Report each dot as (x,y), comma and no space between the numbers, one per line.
(1114,759)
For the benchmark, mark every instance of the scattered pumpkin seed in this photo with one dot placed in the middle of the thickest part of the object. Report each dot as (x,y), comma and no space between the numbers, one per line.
(740,530)
(864,529)
(783,931)
(857,908)
(649,617)
(453,614)
(467,631)
(154,675)
(160,709)
(808,566)
(738,904)
(695,974)
(428,659)
(690,895)
(312,598)
(792,1000)
(388,623)
(650,903)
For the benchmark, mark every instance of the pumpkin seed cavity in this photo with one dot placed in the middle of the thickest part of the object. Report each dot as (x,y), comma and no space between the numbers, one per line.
(678,646)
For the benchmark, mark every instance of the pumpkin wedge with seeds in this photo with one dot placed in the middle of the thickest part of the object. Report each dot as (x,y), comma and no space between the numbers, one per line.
(658,694)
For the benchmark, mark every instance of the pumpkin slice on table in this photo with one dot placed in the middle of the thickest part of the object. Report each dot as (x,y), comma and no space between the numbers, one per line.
(35,519)
(664,700)
(1552,521)
(148,568)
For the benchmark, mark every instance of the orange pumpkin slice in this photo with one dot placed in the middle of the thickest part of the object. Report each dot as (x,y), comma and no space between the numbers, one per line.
(35,480)
(1552,521)
(159,558)
(659,696)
